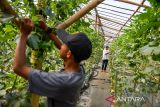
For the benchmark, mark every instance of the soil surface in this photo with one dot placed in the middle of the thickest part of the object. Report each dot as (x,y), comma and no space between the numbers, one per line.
(96,94)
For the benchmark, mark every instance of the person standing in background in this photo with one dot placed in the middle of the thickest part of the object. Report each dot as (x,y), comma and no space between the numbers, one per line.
(105,58)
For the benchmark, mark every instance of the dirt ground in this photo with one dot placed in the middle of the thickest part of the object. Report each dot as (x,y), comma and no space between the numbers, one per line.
(98,91)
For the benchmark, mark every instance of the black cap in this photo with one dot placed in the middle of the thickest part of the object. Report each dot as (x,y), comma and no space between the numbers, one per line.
(79,44)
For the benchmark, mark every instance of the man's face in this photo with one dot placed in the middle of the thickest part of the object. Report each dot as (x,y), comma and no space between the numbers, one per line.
(64,52)
(107,48)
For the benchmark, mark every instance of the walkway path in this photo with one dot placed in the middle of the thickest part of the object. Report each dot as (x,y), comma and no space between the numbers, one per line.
(98,91)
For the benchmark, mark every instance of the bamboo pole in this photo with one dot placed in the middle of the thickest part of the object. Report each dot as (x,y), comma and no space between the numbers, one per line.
(94,26)
(80,13)
(37,56)
(99,21)
(36,61)
(96,23)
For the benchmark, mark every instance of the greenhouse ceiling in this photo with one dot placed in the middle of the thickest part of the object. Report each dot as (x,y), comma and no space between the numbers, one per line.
(112,16)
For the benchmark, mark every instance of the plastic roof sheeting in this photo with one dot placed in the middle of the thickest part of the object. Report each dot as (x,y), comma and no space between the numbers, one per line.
(112,16)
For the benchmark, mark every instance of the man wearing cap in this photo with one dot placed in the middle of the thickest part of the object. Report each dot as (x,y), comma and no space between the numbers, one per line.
(62,88)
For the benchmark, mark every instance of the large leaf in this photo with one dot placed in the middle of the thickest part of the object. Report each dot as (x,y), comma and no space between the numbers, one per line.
(2,92)
(156,50)
(1,86)
(48,11)
(33,42)
(149,69)
(156,57)
(146,50)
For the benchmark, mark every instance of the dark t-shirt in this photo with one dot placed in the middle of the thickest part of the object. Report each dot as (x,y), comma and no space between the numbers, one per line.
(61,88)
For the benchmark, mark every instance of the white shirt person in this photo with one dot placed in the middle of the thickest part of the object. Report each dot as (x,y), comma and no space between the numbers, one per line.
(105,58)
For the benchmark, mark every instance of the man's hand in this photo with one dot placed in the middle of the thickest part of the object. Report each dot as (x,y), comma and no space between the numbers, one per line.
(26,27)
(52,36)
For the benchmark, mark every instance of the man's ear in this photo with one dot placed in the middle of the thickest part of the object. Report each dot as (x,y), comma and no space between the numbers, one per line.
(69,54)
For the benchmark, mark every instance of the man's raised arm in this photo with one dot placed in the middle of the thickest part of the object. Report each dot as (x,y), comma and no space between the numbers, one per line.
(19,66)
(52,36)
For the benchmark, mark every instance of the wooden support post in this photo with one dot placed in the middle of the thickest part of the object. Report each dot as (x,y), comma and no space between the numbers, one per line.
(37,56)
(94,26)
(36,61)
(96,23)
(100,24)
(99,21)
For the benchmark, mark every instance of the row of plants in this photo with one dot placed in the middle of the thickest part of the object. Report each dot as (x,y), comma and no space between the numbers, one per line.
(135,60)
(13,89)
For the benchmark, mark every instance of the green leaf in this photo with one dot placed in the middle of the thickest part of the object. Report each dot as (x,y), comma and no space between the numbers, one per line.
(48,11)
(25,1)
(2,93)
(17,104)
(143,80)
(10,75)
(8,28)
(149,69)
(2,75)
(130,55)
(157,72)
(1,86)
(33,42)
(156,50)
(156,57)
(146,50)
(153,43)
(35,18)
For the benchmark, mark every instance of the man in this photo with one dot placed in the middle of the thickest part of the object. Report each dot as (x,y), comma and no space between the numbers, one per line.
(105,58)
(61,88)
